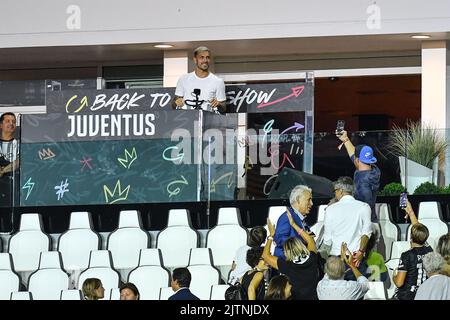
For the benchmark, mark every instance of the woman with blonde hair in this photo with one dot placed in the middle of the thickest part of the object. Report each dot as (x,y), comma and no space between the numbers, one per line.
(301,265)
(93,289)
(443,248)
(279,288)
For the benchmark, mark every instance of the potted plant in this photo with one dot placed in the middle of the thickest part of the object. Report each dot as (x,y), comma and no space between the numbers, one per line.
(418,148)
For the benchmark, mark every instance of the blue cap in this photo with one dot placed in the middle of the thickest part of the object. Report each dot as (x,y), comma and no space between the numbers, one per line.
(365,154)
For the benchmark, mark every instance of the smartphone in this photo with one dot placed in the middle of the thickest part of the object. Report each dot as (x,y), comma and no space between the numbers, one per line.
(403,200)
(340,125)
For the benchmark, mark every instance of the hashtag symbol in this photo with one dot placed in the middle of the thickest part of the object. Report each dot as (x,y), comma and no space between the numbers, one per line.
(61,189)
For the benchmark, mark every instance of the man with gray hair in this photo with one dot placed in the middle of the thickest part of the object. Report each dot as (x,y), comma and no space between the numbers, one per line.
(200,89)
(347,221)
(301,204)
(334,287)
(437,286)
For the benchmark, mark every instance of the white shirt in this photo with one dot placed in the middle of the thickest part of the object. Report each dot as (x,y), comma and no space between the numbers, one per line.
(328,289)
(211,87)
(9,149)
(241,265)
(436,287)
(346,221)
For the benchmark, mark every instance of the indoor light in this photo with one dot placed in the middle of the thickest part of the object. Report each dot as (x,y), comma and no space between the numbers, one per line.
(421,36)
(163,46)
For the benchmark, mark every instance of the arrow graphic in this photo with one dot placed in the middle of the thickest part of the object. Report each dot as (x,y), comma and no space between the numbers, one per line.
(177,190)
(229,183)
(297,126)
(296,91)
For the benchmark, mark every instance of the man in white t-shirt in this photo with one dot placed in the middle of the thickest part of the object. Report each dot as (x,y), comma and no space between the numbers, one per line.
(9,160)
(200,89)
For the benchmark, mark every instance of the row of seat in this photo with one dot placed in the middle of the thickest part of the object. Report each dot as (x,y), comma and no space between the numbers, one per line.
(149,276)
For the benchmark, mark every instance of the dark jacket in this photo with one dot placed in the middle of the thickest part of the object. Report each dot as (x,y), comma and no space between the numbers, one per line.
(183,294)
(366,187)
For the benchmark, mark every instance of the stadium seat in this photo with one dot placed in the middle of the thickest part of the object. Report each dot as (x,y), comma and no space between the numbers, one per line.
(177,239)
(126,242)
(149,276)
(21,295)
(204,275)
(165,293)
(114,294)
(77,242)
(430,216)
(72,294)
(225,239)
(101,267)
(49,280)
(391,265)
(218,291)
(398,247)
(27,244)
(390,232)
(9,280)
(376,291)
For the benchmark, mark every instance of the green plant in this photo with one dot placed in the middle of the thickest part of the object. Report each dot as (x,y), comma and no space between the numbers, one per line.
(421,144)
(392,189)
(428,188)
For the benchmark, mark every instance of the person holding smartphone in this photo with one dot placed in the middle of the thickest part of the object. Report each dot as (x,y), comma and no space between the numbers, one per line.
(367,175)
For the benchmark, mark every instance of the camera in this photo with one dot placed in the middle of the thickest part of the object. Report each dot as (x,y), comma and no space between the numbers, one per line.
(340,125)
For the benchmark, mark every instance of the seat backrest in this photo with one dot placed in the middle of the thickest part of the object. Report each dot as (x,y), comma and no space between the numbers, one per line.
(10,282)
(429,210)
(46,284)
(109,277)
(179,217)
(125,245)
(50,260)
(80,220)
(21,295)
(30,221)
(383,210)
(175,244)
(376,291)
(224,241)
(130,219)
(391,265)
(165,293)
(149,280)
(203,277)
(398,247)
(26,247)
(100,259)
(72,294)
(150,257)
(76,245)
(114,294)
(6,262)
(321,210)
(436,229)
(275,212)
(229,215)
(200,256)
(218,291)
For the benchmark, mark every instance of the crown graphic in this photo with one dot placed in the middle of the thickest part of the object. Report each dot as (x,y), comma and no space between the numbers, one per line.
(129,158)
(45,154)
(117,195)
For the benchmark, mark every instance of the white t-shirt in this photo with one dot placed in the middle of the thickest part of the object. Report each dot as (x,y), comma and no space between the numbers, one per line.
(9,149)
(210,87)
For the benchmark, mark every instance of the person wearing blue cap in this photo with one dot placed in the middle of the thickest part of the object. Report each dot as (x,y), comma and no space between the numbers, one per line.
(367,175)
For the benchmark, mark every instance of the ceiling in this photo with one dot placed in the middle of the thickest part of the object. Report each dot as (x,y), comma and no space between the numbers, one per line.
(47,57)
